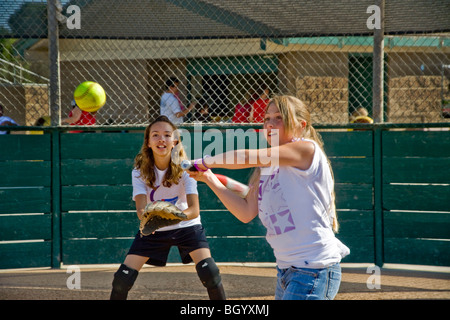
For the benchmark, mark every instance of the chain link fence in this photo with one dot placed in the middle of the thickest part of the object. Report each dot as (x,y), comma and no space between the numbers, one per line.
(227,55)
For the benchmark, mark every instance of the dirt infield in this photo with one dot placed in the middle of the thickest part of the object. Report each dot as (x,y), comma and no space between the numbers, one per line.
(180,282)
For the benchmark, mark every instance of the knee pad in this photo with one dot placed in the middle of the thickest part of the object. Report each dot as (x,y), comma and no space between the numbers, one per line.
(208,272)
(124,279)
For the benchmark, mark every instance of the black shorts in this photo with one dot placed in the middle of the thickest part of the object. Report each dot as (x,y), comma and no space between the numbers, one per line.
(157,246)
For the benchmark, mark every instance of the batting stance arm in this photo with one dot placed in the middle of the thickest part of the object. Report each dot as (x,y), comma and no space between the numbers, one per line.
(245,209)
(296,154)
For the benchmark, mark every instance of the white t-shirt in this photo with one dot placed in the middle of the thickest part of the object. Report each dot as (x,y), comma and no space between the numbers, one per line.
(294,206)
(176,194)
(169,107)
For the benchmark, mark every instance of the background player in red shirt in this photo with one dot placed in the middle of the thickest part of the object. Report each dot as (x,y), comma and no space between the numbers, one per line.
(259,106)
(78,117)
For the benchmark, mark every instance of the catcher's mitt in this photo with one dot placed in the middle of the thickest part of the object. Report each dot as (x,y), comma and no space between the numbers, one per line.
(159,214)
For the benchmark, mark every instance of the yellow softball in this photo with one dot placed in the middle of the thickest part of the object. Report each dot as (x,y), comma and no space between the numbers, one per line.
(89,96)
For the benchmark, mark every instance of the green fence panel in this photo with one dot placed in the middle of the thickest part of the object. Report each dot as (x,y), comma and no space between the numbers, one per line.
(84,198)
(25,147)
(84,234)
(416,144)
(416,170)
(95,251)
(356,170)
(25,200)
(348,144)
(96,171)
(25,241)
(255,249)
(417,237)
(25,173)
(104,145)
(356,231)
(416,197)
(417,225)
(32,254)
(25,227)
(221,223)
(95,191)
(434,252)
(223,229)
(416,194)
(351,154)
(99,224)
(30,173)
(354,196)
(25,197)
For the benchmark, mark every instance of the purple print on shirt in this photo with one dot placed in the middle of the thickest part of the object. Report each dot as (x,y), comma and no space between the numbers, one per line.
(171,200)
(274,212)
(282,221)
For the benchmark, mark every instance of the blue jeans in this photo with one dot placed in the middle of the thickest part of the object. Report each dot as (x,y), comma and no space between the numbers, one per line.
(308,284)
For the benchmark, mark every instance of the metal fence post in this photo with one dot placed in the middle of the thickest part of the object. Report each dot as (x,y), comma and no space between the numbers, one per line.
(56,199)
(378,67)
(55,112)
(378,114)
(53,52)
(378,196)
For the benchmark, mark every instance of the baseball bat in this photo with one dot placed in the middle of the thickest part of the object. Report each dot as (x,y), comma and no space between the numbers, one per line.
(237,187)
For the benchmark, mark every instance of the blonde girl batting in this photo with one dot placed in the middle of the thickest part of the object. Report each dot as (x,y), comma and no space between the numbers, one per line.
(293,195)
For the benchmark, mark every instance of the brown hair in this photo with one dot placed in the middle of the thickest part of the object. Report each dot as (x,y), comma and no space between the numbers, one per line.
(293,111)
(145,161)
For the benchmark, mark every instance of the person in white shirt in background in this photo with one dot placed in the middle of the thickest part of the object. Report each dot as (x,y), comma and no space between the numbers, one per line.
(170,103)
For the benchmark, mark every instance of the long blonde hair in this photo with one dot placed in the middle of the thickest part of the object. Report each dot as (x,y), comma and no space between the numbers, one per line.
(145,161)
(293,111)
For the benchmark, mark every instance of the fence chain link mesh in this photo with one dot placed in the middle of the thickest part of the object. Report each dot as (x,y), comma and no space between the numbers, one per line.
(226,55)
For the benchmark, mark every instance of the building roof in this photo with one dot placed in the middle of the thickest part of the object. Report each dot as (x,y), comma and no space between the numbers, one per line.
(254,18)
(177,19)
